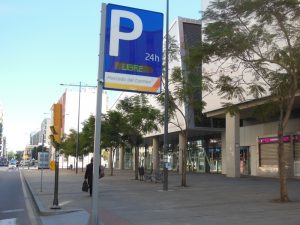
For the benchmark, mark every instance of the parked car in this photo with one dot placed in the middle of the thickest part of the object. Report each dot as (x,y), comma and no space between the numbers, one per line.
(12,164)
(3,162)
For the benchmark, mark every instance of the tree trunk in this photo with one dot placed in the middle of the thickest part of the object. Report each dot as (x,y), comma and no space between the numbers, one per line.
(82,163)
(282,165)
(184,151)
(136,162)
(111,166)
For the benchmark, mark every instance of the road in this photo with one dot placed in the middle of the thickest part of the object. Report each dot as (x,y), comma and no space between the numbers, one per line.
(16,206)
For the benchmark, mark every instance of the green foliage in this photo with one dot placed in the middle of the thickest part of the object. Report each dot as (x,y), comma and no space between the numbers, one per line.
(255,48)
(113,129)
(140,118)
(35,150)
(87,135)
(232,109)
(266,112)
(19,156)
(68,144)
(256,42)
(10,155)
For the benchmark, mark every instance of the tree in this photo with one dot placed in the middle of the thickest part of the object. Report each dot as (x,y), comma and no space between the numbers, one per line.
(112,135)
(140,118)
(68,144)
(11,155)
(185,102)
(35,151)
(19,155)
(87,135)
(255,46)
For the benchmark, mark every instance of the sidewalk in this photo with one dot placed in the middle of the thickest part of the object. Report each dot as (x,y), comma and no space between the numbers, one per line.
(210,199)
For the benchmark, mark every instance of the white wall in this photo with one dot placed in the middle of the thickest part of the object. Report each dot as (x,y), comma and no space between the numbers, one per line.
(88,98)
(249,135)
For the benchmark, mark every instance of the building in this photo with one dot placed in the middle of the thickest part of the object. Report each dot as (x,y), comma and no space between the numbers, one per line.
(35,137)
(204,136)
(220,143)
(250,146)
(44,134)
(75,110)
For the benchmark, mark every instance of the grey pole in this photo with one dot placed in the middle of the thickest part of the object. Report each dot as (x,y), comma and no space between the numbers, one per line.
(42,166)
(78,119)
(55,200)
(97,140)
(166,120)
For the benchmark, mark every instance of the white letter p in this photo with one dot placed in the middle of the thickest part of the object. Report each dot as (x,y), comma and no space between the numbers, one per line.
(116,35)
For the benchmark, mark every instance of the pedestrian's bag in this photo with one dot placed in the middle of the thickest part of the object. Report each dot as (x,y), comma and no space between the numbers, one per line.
(85,186)
(101,172)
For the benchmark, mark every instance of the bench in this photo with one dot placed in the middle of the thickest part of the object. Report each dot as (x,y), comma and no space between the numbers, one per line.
(159,177)
(148,175)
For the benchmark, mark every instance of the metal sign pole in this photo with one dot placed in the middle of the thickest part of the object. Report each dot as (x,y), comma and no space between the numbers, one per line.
(42,167)
(78,121)
(166,121)
(55,200)
(94,219)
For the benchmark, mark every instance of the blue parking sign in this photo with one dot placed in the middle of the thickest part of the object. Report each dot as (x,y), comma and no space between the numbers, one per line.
(133,49)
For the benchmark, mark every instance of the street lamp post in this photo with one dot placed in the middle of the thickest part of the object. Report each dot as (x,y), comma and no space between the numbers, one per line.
(78,117)
(42,168)
(166,120)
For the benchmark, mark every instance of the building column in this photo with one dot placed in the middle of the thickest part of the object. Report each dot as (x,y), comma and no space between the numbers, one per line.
(182,143)
(232,145)
(223,149)
(155,153)
(121,157)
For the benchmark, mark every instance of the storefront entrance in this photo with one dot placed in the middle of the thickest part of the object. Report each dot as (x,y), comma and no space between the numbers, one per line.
(244,160)
(204,158)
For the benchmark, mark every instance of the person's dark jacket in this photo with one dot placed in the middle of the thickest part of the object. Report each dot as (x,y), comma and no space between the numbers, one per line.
(89,173)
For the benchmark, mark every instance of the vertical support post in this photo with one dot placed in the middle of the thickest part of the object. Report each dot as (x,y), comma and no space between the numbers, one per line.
(166,121)
(42,168)
(121,157)
(55,200)
(233,145)
(95,214)
(78,120)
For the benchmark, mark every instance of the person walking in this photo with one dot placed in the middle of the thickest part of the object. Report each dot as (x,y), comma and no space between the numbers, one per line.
(89,175)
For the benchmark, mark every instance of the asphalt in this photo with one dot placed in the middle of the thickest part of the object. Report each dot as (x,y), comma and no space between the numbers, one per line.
(209,199)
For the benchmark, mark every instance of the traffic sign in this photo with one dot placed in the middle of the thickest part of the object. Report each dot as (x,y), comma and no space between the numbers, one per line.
(133,49)
(52,165)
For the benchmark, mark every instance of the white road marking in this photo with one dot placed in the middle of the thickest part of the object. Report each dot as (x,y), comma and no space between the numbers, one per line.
(12,211)
(12,221)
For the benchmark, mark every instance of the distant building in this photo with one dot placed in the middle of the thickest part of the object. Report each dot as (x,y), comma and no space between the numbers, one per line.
(70,107)
(44,134)
(70,110)
(27,152)
(34,138)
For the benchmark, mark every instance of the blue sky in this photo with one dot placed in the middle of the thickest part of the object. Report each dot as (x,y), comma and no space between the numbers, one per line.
(45,43)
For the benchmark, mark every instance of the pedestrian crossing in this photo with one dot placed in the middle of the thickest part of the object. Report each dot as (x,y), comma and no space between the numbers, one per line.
(11,221)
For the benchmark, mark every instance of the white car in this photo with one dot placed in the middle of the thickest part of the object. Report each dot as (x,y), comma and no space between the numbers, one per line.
(12,164)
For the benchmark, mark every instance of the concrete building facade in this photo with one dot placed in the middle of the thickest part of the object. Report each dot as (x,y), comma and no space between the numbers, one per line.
(73,115)
(233,145)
